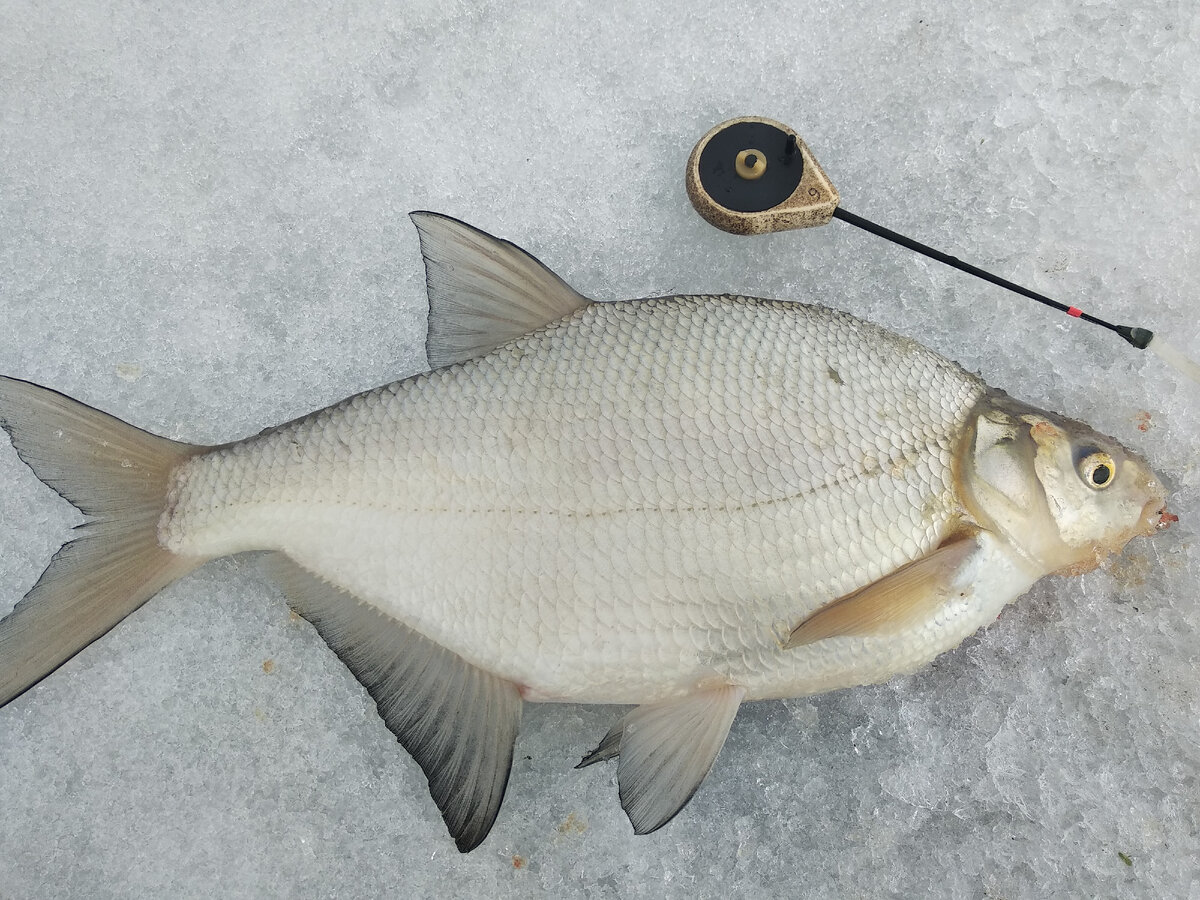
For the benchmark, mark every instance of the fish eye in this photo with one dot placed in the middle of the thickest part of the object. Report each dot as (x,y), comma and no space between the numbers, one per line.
(1097,470)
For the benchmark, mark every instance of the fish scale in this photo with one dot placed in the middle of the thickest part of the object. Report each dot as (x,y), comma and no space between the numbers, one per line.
(608,445)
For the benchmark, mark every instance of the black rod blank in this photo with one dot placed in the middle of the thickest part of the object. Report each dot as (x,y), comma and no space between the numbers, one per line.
(1138,337)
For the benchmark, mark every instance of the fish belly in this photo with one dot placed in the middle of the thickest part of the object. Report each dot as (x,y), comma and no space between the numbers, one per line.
(636,499)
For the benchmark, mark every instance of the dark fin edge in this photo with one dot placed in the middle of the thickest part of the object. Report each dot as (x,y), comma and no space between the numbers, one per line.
(457,721)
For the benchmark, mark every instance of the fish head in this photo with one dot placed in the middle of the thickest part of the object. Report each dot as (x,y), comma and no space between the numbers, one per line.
(1063,496)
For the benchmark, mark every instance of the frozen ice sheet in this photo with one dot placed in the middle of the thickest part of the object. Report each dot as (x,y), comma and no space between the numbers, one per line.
(203,231)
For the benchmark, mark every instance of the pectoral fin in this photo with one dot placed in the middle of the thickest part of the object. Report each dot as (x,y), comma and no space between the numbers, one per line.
(458,722)
(901,600)
(666,749)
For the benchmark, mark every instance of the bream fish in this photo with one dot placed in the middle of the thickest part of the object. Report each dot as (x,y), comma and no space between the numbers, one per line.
(682,503)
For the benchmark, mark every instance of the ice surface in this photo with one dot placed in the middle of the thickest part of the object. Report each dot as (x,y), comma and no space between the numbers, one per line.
(203,231)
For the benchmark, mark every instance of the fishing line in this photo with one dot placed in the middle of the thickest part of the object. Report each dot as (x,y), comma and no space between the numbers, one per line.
(753,176)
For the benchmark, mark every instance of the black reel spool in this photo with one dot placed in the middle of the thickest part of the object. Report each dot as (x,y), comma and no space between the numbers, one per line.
(751,166)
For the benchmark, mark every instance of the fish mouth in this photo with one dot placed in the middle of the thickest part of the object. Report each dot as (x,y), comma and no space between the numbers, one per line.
(1157,517)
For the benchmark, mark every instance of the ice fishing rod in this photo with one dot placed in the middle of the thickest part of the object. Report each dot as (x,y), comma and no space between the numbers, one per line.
(753,176)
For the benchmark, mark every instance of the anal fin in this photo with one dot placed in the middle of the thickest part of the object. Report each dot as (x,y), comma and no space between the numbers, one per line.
(458,722)
(666,749)
(900,600)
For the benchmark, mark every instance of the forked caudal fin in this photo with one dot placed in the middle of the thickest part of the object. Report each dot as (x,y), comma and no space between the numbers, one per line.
(116,475)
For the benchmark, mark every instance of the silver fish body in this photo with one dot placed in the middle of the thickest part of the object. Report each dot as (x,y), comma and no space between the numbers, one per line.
(679,502)
(636,498)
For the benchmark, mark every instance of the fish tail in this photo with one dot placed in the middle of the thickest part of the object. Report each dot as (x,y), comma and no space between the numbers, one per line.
(118,477)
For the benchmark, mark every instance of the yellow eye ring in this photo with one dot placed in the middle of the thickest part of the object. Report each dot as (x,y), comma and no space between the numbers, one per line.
(1098,470)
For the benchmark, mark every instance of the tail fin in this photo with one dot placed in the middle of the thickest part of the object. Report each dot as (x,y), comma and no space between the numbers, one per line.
(118,476)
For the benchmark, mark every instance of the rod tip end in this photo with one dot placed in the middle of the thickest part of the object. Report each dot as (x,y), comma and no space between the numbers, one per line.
(1138,337)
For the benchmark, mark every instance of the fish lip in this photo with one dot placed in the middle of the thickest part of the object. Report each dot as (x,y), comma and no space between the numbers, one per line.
(1159,519)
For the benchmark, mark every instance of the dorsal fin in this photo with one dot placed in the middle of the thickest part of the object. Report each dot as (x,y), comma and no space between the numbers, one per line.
(483,292)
